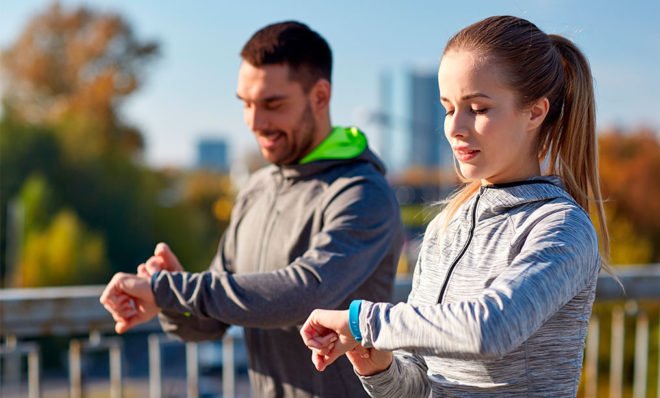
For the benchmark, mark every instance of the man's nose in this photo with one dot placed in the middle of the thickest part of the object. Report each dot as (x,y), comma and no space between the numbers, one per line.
(256,119)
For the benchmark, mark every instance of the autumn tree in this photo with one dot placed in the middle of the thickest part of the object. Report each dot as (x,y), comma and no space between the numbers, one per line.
(74,69)
(65,79)
(630,176)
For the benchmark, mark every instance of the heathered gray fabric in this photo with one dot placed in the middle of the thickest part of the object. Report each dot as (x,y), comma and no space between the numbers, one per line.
(514,313)
(301,237)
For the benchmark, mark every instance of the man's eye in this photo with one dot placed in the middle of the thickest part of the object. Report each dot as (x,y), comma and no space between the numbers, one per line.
(271,106)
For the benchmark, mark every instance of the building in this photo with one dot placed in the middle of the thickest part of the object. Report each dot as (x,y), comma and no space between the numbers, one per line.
(213,154)
(428,147)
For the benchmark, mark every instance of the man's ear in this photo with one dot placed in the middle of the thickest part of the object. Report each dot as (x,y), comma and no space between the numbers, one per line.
(537,113)
(320,94)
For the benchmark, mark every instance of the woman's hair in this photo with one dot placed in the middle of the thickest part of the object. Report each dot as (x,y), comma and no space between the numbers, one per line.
(537,65)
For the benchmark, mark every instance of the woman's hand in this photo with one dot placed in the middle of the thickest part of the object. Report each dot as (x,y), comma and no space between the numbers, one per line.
(328,335)
(369,361)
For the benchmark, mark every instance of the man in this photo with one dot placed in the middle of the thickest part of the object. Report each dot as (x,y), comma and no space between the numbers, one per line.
(316,229)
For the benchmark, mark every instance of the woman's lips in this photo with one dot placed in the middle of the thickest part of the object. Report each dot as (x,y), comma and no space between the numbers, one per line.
(465,154)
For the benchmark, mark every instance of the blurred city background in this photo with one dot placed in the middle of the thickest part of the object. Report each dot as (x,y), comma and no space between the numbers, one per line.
(120,128)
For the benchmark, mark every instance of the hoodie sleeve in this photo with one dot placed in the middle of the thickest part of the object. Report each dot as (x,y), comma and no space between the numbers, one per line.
(191,328)
(405,366)
(361,228)
(558,260)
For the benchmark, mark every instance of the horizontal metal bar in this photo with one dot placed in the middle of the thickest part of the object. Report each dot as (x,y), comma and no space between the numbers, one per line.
(76,310)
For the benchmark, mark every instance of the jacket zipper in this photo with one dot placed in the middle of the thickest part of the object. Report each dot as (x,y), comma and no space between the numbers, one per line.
(464,249)
(269,228)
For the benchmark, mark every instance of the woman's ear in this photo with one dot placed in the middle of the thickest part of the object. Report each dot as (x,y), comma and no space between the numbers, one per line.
(537,113)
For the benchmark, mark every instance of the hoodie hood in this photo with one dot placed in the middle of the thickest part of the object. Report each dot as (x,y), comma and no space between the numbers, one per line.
(343,145)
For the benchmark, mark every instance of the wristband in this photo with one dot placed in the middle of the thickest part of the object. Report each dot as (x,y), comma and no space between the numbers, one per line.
(354,319)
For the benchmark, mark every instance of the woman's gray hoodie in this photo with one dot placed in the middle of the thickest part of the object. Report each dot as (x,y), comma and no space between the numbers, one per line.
(500,300)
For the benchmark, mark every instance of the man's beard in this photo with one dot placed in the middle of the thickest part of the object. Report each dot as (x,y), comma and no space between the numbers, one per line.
(305,130)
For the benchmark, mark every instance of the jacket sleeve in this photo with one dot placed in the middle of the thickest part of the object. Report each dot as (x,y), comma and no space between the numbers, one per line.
(191,328)
(558,260)
(188,327)
(361,226)
(405,366)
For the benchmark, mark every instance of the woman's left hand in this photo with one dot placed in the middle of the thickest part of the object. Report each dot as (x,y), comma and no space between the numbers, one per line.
(328,335)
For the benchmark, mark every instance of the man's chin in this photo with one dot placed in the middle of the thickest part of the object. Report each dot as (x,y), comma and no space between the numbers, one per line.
(273,158)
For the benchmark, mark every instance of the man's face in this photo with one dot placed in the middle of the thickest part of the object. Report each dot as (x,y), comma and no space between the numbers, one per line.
(278,111)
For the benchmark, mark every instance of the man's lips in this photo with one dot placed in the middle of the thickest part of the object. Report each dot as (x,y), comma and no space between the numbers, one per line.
(269,140)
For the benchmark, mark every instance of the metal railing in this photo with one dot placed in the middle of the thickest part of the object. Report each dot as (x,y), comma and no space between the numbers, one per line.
(76,311)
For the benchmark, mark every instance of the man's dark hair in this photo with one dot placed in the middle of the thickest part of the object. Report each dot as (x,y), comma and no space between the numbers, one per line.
(294,44)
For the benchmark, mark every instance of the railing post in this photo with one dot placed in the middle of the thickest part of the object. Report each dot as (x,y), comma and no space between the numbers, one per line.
(34,376)
(154,366)
(192,371)
(591,363)
(228,371)
(616,353)
(95,343)
(12,350)
(641,355)
(115,371)
(75,370)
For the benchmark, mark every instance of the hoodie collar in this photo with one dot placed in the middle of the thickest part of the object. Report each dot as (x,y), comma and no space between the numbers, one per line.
(342,146)
(499,198)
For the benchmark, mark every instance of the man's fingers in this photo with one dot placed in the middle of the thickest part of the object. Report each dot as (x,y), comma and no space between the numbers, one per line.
(155,264)
(171,261)
(113,290)
(142,271)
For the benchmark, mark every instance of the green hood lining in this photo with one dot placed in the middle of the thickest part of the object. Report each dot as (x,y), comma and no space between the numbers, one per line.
(341,143)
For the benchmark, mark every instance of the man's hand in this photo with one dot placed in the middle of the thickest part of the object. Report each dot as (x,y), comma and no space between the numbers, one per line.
(163,259)
(129,300)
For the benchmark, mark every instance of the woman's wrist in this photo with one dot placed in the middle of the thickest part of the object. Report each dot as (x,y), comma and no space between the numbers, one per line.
(354,319)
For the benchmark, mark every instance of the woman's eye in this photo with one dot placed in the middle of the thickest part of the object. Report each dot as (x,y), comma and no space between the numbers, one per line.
(449,113)
(480,111)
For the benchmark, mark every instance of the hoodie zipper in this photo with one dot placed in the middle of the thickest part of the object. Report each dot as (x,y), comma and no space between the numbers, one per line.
(473,225)
(274,215)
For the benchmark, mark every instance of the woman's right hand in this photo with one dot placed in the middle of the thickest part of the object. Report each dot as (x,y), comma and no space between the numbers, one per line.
(369,361)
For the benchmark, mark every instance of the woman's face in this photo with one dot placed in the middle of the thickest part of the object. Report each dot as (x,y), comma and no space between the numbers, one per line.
(493,140)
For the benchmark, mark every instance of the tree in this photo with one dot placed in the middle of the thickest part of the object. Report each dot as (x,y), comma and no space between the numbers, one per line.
(630,175)
(65,79)
(74,69)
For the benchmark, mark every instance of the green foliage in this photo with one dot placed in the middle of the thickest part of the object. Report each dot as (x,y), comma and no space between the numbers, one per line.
(64,253)
(70,164)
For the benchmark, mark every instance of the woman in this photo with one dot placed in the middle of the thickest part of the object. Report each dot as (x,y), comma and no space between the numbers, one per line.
(506,276)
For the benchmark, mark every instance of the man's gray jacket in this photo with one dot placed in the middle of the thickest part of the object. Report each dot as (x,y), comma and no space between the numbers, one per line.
(301,237)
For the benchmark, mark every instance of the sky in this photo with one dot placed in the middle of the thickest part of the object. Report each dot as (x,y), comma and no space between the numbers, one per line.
(190,92)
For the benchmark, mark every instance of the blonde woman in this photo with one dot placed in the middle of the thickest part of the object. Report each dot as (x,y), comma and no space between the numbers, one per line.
(506,276)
